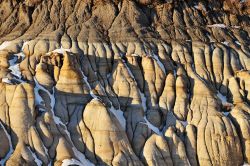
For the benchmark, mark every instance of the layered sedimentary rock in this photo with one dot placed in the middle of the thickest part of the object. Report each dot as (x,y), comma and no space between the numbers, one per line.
(124,82)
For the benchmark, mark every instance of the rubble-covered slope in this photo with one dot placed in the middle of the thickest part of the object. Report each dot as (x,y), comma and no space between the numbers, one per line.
(125,82)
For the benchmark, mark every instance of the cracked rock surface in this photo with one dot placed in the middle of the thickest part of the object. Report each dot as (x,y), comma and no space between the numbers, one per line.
(125,82)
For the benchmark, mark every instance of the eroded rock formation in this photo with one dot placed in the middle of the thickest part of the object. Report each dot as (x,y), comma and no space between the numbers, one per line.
(124,82)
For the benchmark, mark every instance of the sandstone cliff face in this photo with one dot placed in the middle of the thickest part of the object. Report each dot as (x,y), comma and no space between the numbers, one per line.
(124,82)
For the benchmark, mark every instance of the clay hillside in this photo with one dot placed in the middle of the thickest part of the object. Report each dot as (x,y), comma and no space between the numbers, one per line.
(124,82)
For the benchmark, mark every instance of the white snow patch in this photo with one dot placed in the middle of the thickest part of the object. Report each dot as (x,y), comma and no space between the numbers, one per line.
(222,98)
(225,43)
(79,155)
(155,57)
(6,80)
(225,113)
(3,161)
(196,7)
(8,43)
(86,81)
(13,61)
(20,54)
(184,123)
(175,73)
(217,25)
(61,50)
(159,63)
(119,116)
(129,71)
(38,161)
(15,70)
(142,95)
(5,44)
(237,42)
(15,66)
(166,47)
(143,99)
(152,127)
(108,75)
(67,162)
(136,55)
(39,100)
(188,161)
(236,27)
(82,158)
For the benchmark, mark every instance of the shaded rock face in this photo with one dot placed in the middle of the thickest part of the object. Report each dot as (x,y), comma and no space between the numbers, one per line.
(123,82)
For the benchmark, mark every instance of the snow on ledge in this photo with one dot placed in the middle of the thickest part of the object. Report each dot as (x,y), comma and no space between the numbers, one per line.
(5,44)
(217,26)
(60,50)
(222,98)
(237,42)
(67,162)
(57,120)
(6,80)
(184,123)
(144,100)
(119,116)
(152,127)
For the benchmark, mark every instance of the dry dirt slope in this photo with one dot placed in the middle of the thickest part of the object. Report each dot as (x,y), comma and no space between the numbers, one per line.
(123,82)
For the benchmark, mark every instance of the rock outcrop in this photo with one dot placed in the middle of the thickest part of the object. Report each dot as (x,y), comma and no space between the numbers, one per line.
(125,82)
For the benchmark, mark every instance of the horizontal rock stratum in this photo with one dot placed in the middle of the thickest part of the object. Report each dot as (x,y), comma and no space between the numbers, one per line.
(125,82)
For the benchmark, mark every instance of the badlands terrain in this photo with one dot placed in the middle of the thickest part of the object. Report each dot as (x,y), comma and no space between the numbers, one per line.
(125,82)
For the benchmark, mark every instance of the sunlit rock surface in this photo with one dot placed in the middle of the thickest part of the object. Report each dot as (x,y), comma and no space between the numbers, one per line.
(125,82)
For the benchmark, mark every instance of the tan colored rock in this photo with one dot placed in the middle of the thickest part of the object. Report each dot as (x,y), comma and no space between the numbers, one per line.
(111,142)
(240,118)
(22,112)
(156,151)
(167,98)
(244,77)
(71,79)
(217,59)
(153,86)
(43,76)
(141,133)
(235,90)
(181,101)
(21,156)
(181,65)
(222,140)
(64,151)
(176,147)
(191,144)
